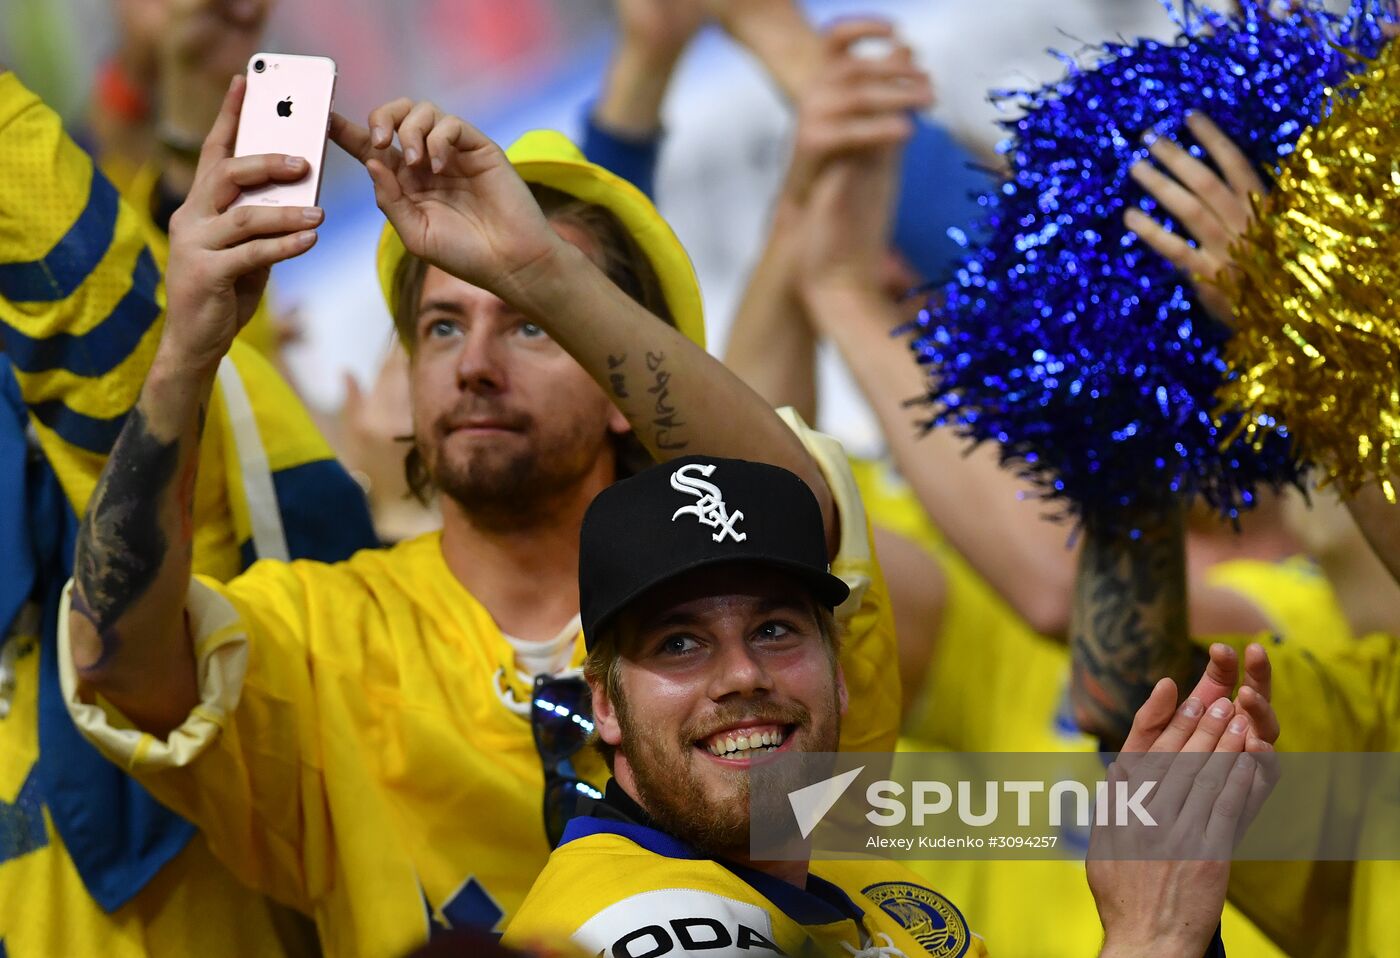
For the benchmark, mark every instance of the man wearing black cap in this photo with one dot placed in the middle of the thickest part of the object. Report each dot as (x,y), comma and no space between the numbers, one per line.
(707,613)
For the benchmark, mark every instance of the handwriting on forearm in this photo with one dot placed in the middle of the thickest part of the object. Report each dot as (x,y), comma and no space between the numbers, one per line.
(666,423)
(616,379)
(1130,626)
(120,544)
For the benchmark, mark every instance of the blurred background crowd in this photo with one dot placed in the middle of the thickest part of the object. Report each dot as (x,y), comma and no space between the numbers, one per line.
(527,64)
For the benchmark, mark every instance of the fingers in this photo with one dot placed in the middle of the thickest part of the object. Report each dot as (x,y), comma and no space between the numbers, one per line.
(1258,672)
(351,137)
(1217,205)
(1254,696)
(389,195)
(884,97)
(232,176)
(414,129)
(1176,783)
(1221,674)
(224,133)
(1212,726)
(1260,713)
(856,133)
(1190,789)
(896,67)
(426,136)
(1243,178)
(443,140)
(384,120)
(1171,247)
(1266,776)
(1181,727)
(1229,805)
(1151,717)
(263,253)
(247,222)
(1189,208)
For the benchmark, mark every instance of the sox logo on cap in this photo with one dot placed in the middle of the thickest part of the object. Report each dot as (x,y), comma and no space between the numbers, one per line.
(710,509)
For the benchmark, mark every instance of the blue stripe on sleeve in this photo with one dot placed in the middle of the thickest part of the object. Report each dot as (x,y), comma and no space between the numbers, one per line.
(73,258)
(939,186)
(324,513)
(104,347)
(633,159)
(85,432)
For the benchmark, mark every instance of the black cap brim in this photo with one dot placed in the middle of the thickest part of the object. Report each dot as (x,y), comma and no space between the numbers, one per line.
(826,588)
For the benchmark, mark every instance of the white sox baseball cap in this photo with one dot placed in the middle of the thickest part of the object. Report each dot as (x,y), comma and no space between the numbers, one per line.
(693,512)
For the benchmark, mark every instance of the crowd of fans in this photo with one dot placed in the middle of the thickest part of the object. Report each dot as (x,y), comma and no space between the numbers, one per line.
(496,656)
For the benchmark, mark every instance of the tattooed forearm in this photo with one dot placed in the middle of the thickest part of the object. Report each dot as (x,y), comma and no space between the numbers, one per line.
(120,545)
(1129,626)
(668,428)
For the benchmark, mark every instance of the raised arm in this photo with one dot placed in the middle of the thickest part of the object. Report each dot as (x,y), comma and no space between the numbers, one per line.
(939,180)
(457,203)
(1129,626)
(845,235)
(133,557)
(851,104)
(622,130)
(652,34)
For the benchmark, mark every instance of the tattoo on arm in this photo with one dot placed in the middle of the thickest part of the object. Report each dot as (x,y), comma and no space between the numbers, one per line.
(1130,625)
(667,426)
(120,545)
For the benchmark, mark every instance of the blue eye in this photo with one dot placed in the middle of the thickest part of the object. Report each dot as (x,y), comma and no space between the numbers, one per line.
(678,644)
(774,630)
(532,331)
(440,328)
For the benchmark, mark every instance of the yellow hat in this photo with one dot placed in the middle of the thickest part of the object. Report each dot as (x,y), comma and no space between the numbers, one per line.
(549,159)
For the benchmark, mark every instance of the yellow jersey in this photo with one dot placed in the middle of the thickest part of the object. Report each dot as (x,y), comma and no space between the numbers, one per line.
(192,905)
(81,309)
(363,748)
(1345,698)
(619,888)
(138,190)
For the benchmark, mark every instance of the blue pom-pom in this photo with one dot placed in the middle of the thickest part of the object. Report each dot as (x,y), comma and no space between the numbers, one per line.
(1062,336)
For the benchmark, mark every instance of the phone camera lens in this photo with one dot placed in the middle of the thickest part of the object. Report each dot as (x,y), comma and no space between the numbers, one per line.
(259,66)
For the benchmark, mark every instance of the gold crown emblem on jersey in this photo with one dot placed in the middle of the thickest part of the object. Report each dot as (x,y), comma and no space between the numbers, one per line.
(928,917)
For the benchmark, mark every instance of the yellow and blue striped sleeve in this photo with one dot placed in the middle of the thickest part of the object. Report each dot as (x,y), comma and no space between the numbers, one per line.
(81,314)
(80,292)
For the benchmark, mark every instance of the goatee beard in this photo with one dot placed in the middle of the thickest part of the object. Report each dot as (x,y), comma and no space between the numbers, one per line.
(503,491)
(673,794)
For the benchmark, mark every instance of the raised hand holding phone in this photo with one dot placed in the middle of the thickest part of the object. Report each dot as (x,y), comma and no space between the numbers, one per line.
(219,254)
(286,109)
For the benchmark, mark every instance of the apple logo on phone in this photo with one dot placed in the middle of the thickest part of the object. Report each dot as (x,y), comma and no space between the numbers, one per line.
(284,107)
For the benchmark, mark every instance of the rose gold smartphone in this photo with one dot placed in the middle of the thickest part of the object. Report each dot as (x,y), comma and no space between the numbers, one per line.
(286,109)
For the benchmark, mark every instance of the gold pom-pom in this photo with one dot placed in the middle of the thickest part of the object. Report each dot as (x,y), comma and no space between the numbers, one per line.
(1317,345)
